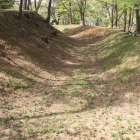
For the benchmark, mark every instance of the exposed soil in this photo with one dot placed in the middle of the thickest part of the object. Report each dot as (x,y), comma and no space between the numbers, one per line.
(58,89)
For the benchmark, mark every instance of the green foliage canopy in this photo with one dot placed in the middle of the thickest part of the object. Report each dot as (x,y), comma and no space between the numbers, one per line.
(5,4)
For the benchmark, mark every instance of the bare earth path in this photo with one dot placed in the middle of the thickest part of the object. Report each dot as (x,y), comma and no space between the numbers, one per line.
(81,102)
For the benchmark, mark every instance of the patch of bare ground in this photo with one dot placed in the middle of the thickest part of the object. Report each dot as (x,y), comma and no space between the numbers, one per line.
(64,89)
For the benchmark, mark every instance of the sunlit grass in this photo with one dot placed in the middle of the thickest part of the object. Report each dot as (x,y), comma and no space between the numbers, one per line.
(66,28)
(90,102)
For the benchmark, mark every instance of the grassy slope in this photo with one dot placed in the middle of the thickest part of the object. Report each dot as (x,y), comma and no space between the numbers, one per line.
(24,42)
(83,88)
(66,28)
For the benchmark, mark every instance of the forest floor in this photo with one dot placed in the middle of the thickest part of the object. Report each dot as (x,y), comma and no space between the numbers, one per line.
(86,87)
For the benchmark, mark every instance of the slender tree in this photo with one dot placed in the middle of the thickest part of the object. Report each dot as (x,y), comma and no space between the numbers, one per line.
(82,8)
(49,12)
(129,19)
(137,18)
(116,13)
(37,5)
(125,19)
(20,8)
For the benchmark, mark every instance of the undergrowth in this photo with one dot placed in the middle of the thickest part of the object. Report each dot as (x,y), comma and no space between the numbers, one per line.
(96,97)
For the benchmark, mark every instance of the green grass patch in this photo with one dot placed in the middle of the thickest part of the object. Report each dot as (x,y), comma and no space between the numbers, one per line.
(66,28)
(119,52)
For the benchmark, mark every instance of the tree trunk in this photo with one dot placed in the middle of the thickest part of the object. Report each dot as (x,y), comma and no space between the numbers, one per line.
(37,5)
(20,8)
(130,19)
(137,19)
(70,13)
(116,14)
(29,6)
(49,12)
(125,18)
(25,5)
(83,20)
(82,6)
(112,16)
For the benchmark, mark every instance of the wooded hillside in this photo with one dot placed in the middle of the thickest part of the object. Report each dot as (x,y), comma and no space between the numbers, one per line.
(84,84)
(120,14)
